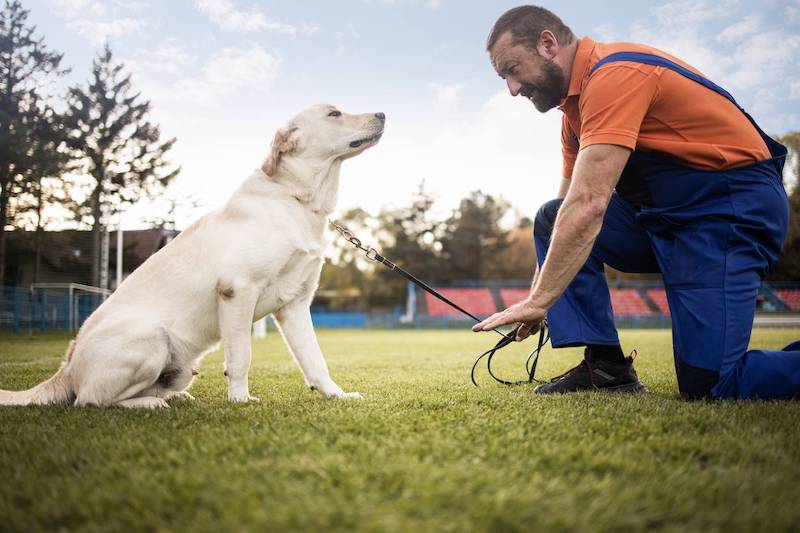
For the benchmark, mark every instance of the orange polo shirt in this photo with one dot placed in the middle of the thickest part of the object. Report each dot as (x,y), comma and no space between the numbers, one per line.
(652,109)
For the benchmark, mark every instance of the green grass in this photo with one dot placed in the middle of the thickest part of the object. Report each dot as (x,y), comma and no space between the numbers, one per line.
(425,451)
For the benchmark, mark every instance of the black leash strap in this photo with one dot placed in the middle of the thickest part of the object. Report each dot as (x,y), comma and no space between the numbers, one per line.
(533,358)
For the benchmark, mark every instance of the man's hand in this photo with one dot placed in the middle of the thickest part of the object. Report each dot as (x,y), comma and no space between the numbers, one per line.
(524,312)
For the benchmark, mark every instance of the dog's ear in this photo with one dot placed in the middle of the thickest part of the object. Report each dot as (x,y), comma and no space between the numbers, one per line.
(285,141)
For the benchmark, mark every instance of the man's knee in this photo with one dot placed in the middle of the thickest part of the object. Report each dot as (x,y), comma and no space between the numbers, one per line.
(695,383)
(546,217)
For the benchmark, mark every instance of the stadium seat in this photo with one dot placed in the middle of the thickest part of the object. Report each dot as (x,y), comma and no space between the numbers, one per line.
(477,301)
(791,297)
(659,297)
(511,296)
(628,302)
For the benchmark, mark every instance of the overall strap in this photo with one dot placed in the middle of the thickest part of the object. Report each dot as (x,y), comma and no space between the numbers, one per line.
(777,150)
(650,59)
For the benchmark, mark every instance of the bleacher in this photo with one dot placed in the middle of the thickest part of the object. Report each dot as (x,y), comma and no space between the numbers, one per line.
(510,296)
(624,302)
(659,298)
(628,302)
(478,301)
(790,298)
(633,303)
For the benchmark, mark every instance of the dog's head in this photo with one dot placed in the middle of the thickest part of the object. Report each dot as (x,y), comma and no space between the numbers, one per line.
(321,134)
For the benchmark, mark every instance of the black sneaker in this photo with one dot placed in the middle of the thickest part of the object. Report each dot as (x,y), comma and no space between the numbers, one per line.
(600,375)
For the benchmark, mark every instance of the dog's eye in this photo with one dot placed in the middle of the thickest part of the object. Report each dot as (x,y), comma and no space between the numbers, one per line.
(335,114)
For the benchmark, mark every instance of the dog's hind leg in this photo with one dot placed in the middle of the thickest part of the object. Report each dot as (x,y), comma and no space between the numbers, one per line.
(122,371)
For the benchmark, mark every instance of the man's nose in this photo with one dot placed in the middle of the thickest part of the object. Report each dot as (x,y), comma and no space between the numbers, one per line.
(513,86)
(381,117)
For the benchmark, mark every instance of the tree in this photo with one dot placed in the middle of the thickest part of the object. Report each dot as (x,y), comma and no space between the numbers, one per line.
(409,237)
(473,238)
(121,149)
(788,267)
(518,259)
(46,161)
(26,65)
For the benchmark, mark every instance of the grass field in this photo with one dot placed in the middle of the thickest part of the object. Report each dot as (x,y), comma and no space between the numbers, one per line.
(425,451)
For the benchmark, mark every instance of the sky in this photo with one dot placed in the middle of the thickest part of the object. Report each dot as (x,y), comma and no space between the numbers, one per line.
(224,75)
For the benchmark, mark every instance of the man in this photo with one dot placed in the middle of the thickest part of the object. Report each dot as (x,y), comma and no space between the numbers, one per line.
(663,172)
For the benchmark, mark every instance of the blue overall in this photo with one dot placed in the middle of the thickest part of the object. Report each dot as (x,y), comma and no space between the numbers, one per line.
(712,235)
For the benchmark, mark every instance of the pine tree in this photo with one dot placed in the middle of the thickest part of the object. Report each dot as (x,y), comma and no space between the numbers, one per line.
(26,65)
(121,150)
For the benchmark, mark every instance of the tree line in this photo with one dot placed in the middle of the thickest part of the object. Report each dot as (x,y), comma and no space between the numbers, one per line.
(483,238)
(91,150)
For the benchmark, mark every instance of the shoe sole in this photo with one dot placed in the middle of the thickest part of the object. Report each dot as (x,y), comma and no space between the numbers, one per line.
(637,387)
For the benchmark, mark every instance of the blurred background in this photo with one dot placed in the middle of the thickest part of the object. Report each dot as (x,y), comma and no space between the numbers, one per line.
(121,121)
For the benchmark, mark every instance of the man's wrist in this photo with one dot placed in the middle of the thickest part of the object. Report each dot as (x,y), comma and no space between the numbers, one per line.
(535,303)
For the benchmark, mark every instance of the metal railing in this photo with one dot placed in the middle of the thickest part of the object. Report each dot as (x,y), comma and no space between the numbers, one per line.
(48,307)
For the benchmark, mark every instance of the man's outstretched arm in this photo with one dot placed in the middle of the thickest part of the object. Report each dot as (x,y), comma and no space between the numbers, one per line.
(579,220)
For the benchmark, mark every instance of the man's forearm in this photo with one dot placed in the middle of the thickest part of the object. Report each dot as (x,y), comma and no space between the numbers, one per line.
(571,243)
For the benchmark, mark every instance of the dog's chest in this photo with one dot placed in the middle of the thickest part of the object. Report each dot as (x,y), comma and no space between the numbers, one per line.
(296,279)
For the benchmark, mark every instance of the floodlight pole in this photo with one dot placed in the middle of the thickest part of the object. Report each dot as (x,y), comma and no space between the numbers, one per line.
(104,238)
(119,250)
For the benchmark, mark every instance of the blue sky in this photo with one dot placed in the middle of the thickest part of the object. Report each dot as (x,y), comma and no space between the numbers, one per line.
(223,75)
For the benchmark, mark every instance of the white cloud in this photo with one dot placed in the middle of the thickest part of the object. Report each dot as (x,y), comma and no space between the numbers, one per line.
(682,13)
(743,28)
(764,59)
(448,95)
(99,31)
(99,21)
(227,71)
(224,14)
(605,32)
(76,8)
(167,59)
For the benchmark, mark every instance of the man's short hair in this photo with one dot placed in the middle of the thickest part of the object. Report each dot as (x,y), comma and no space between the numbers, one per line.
(526,24)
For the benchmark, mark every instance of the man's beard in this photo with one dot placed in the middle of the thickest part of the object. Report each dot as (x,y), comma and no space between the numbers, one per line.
(546,93)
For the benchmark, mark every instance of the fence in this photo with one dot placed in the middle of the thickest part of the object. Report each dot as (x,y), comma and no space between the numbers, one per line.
(53,308)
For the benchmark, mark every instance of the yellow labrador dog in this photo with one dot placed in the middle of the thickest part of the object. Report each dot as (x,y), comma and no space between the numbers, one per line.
(261,253)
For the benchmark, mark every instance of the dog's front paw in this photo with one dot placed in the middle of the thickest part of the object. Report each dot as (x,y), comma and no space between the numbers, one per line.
(241,398)
(353,395)
(341,395)
(181,395)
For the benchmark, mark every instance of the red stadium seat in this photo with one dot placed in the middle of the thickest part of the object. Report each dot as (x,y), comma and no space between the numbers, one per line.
(511,296)
(659,297)
(479,302)
(791,297)
(628,302)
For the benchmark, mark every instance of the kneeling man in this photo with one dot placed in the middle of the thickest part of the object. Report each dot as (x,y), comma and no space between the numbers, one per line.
(663,172)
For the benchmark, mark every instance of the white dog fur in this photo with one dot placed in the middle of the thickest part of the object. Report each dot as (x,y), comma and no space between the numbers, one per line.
(261,253)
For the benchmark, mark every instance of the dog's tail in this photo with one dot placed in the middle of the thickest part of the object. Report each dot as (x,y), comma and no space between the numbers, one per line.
(57,389)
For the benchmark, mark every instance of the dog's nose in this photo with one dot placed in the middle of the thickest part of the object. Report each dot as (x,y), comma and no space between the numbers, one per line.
(380,116)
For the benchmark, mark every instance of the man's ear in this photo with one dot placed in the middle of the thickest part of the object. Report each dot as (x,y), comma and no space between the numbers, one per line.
(548,45)
(284,141)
